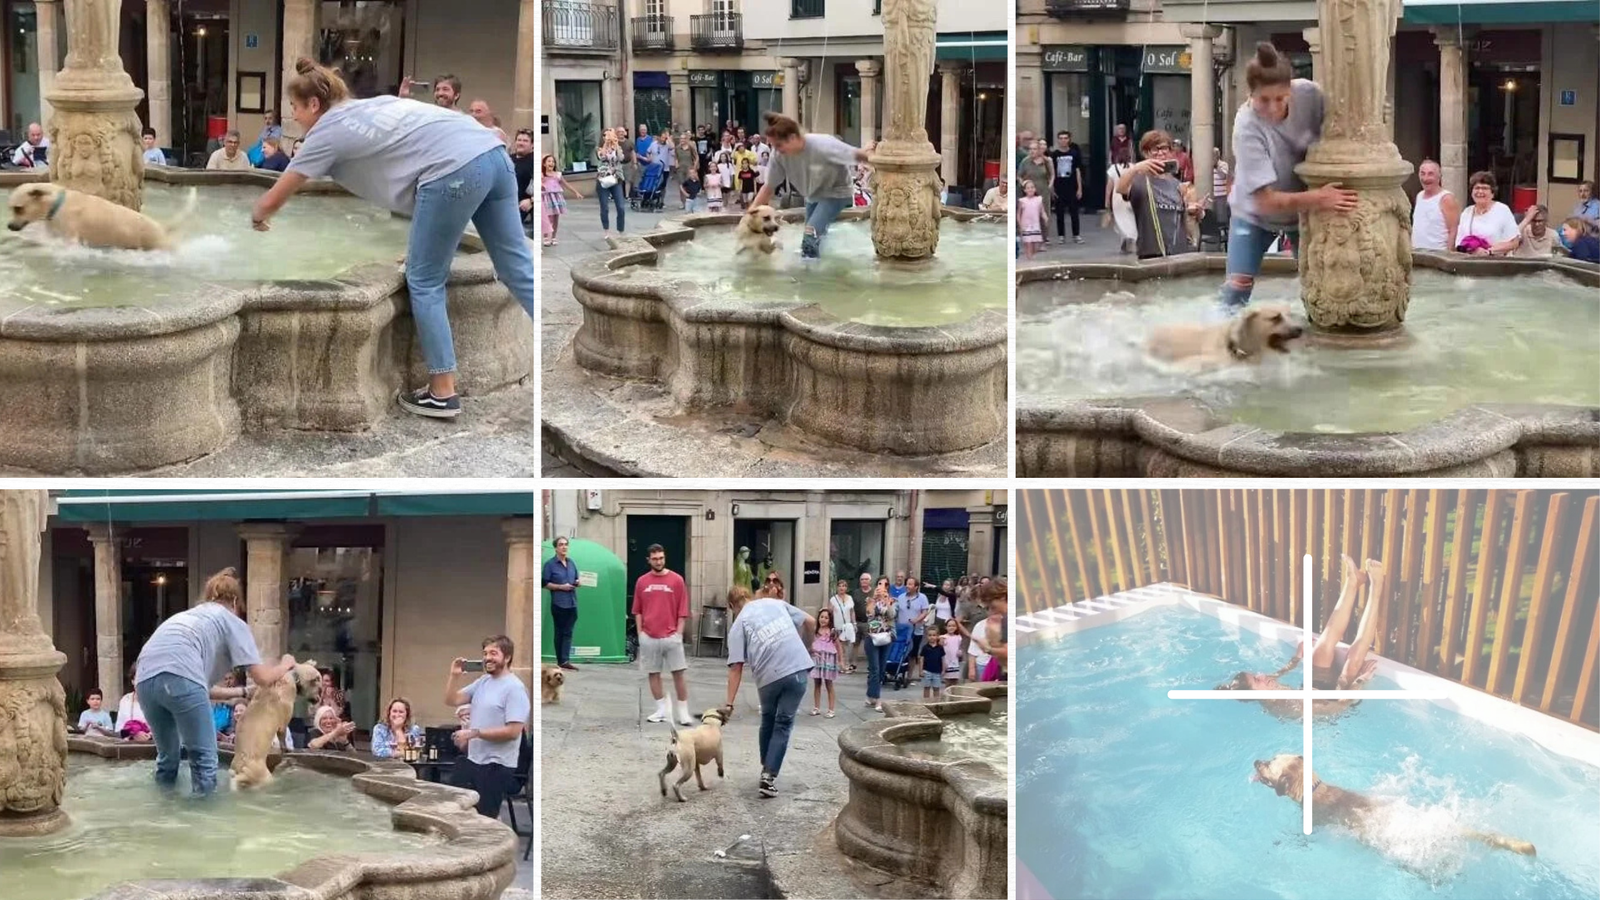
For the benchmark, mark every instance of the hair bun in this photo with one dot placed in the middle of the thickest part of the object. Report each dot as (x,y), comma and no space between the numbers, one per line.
(1267,54)
(305,65)
(230,571)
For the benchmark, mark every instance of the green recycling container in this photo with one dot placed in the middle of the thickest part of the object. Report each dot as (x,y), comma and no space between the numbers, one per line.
(601,635)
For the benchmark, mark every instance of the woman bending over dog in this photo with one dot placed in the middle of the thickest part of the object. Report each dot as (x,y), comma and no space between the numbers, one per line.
(1328,670)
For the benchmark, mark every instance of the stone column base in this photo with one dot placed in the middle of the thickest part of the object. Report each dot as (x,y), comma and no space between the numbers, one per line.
(1355,268)
(905,200)
(95,139)
(33,737)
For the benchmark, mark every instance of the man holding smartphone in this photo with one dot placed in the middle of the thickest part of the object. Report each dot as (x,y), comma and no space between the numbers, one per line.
(1160,207)
(499,714)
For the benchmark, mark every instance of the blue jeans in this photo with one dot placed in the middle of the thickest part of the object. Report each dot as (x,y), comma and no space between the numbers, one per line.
(614,193)
(820,214)
(483,192)
(875,660)
(1247,245)
(779,701)
(179,714)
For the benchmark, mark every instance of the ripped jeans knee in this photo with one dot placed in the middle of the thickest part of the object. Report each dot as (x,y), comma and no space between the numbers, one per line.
(1236,290)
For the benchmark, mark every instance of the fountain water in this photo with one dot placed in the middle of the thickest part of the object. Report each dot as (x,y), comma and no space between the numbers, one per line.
(33,715)
(905,167)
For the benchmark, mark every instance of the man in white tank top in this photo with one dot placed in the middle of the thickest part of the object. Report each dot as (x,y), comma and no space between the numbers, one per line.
(1436,214)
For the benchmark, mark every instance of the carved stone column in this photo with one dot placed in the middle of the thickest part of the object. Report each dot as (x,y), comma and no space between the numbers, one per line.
(158,44)
(950,72)
(905,177)
(266,587)
(526,88)
(868,69)
(1355,268)
(521,608)
(108,609)
(1202,102)
(791,86)
(94,134)
(33,707)
(46,14)
(1452,110)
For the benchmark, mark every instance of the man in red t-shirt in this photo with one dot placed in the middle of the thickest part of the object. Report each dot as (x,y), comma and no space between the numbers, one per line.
(660,606)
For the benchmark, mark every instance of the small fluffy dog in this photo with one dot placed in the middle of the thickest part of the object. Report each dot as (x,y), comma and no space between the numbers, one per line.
(756,231)
(1243,339)
(1285,774)
(695,748)
(551,678)
(93,221)
(265,718)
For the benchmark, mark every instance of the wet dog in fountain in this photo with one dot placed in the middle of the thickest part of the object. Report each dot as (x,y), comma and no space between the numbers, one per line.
(94,221)
(757,231)
(1244,339)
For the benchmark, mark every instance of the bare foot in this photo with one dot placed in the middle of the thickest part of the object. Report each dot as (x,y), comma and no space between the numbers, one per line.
(1353,576)
(1375,572)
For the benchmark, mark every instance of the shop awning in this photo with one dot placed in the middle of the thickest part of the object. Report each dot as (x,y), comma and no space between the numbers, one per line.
(1498,12)
(976,46)
(89,505)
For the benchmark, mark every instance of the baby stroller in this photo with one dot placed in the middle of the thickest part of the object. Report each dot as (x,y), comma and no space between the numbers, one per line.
(649,194)
(897,663)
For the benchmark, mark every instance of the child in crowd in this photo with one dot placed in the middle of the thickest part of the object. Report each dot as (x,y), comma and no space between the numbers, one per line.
(747,180)
(932,664)
(96,720)
(713,189)
(825,661)
(722,162)
(689,190)
(1030,218)
(1579,239)
(952,652)
(554,189)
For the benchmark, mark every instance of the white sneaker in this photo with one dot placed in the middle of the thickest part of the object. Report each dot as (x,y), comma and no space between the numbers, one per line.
(680,709)
(660,715)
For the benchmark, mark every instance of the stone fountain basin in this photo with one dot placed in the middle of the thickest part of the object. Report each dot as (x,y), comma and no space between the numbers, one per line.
(938,822)
(910,390)
(476,860)
(104,390)
(1166,436)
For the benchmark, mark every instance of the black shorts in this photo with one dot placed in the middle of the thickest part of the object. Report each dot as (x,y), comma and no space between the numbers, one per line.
(492,781)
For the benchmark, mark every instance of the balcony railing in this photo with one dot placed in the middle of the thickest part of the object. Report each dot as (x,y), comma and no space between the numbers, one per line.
(652,34)
(1069,9)
(717,31)
(807,9)
(580,27)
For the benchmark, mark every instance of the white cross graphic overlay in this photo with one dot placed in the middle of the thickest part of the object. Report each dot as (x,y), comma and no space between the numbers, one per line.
(1307,694)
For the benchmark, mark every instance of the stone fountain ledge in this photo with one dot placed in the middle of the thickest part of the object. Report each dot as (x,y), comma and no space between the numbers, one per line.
(476,860)
(128,389)
(938,823)
(836,384)
(1169,437)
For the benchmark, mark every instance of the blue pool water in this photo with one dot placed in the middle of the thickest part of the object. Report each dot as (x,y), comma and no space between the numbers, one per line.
(1123,793)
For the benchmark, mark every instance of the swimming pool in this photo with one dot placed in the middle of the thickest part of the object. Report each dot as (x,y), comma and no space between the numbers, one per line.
(1124,793)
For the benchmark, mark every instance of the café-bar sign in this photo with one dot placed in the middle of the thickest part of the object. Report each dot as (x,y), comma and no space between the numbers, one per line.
(1065,58)
(1167,60)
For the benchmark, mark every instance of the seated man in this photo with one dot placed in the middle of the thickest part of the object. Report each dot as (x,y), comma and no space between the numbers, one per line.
(229,157)
(1328,671)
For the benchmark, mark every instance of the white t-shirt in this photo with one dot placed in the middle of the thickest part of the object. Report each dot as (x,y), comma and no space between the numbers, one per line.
(128,711)
(980,631)
(382,148)
(239,163)
(1494,226)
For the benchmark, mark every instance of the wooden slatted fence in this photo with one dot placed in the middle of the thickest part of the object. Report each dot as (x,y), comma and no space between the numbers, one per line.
(1497,589)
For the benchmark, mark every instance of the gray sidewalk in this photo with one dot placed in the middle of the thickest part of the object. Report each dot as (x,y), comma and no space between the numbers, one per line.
(1099,244)
(607,830)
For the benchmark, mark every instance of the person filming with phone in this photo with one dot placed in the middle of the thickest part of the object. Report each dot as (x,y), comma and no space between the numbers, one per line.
(493,736)
(1161,206)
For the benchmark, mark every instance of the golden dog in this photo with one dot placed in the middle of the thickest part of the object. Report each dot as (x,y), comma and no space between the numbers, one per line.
(1285,773)
(1244,339)
(551,678)
(756,229)
(93,221)
(265,719)
(695,748)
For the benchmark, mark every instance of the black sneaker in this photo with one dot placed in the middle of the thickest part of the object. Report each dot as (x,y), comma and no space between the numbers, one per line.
(422,402)
(769,784)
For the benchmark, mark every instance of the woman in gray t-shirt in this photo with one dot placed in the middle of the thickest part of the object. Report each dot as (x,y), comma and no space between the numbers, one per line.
(177,667)
(1271,135)
(436,165)
(774,639)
